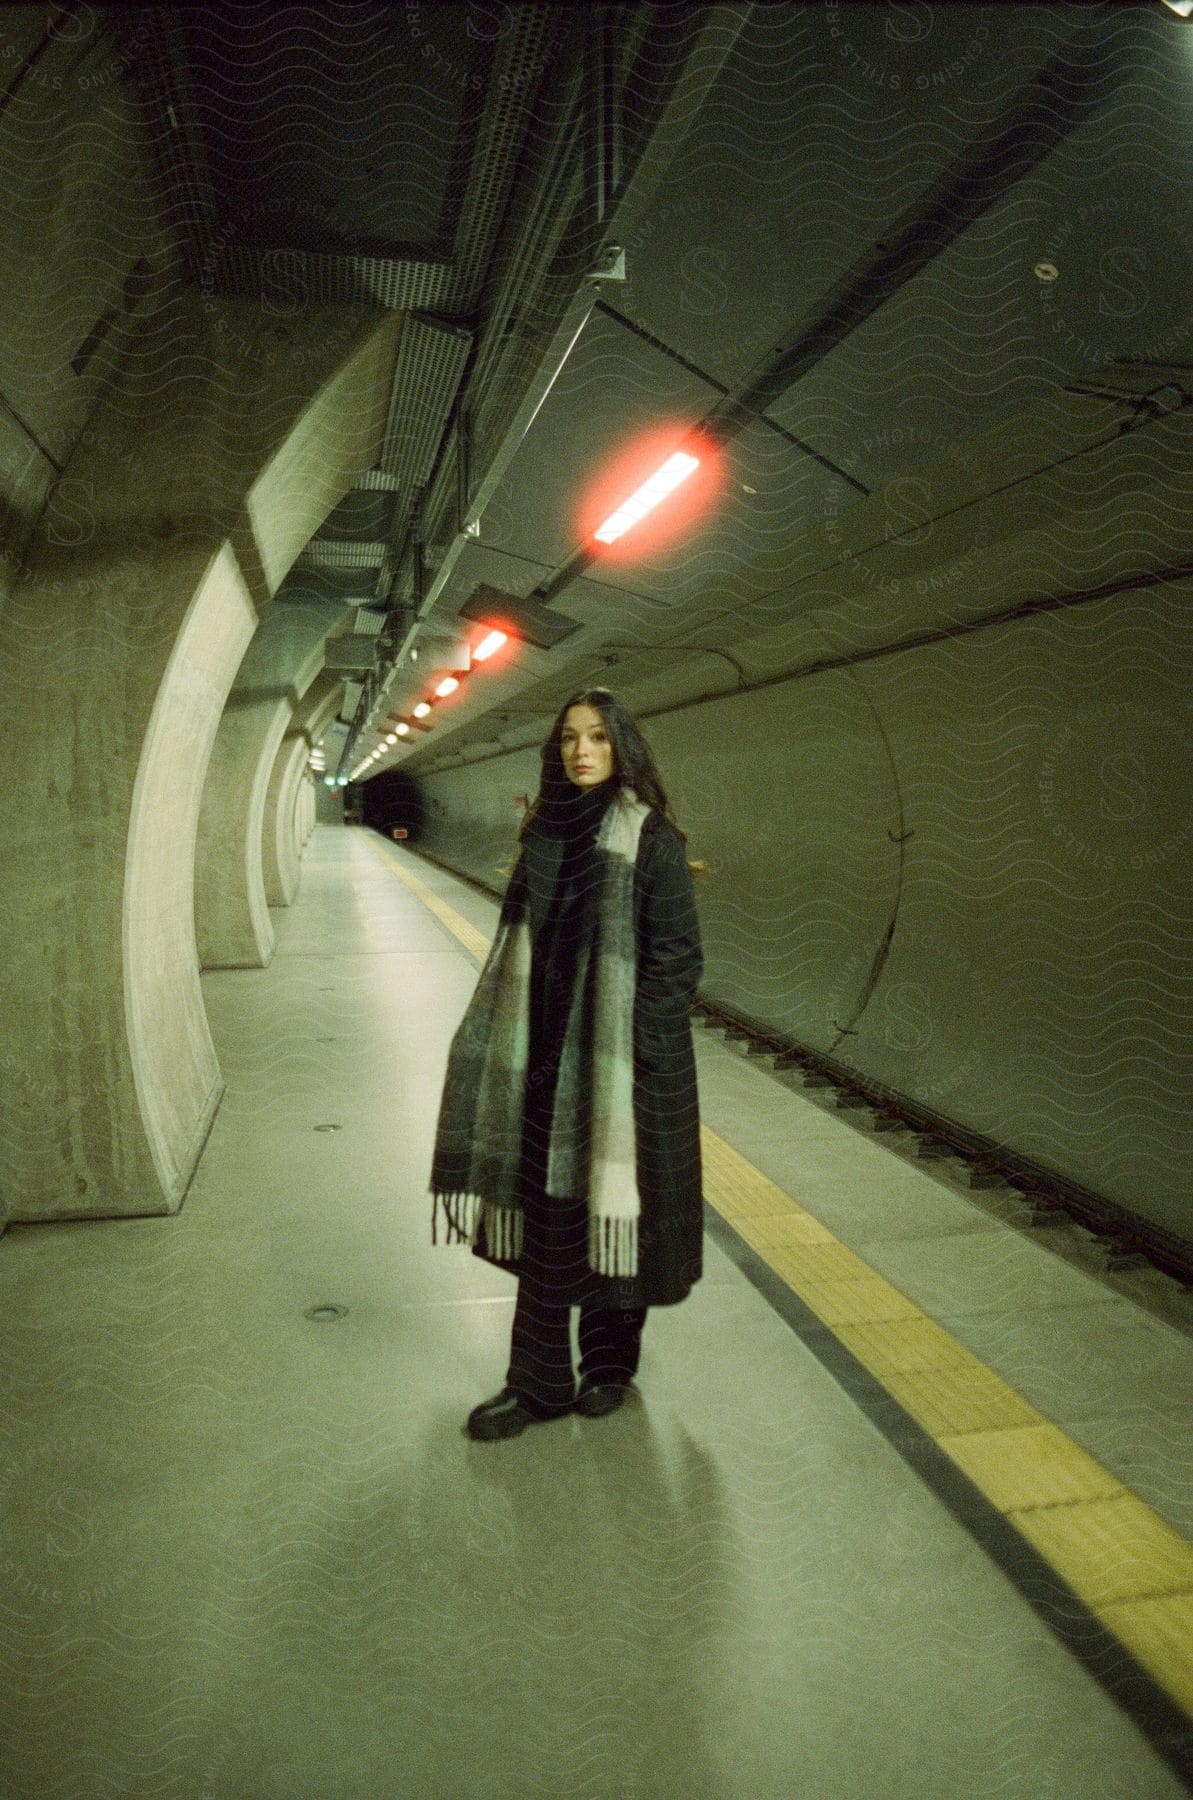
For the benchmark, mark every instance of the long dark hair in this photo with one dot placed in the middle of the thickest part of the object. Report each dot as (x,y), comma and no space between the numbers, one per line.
(634,765)
(633,762)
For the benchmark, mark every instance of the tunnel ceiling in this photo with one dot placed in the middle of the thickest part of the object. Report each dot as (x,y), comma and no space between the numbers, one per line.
(325,123)
(469,165)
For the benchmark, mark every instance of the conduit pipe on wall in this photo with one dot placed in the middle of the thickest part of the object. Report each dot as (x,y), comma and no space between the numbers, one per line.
(1063,96)
(1140,410)
(1021,609)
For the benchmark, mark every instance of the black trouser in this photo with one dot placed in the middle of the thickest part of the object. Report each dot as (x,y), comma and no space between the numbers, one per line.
(555,1278)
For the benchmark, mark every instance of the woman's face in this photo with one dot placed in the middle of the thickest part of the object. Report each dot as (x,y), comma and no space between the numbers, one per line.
(584,743)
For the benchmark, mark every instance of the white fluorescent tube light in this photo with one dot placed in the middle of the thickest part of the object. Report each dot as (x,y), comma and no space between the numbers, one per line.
(664,481)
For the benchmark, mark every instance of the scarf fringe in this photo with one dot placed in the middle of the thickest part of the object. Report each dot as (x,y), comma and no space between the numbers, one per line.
(503,1232)
(464,1215)
(613,1246)
(612,1243)
(460,1213)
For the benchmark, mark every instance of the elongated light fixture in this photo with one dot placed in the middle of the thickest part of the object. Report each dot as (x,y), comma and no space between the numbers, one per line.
(664,481)
(488,644)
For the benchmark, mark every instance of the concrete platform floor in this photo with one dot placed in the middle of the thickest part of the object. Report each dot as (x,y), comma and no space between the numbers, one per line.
(249,1555)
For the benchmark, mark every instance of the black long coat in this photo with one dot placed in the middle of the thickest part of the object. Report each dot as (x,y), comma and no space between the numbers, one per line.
(666,1109)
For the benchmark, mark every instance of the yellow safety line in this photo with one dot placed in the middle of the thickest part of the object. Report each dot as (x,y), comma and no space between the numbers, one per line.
(473,940)
(1129,1566)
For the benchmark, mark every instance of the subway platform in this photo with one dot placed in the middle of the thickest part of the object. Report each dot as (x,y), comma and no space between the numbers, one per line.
(901,1506)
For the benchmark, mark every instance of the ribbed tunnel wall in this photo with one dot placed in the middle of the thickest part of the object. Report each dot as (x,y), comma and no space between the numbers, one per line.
(1007,806)
(159,488)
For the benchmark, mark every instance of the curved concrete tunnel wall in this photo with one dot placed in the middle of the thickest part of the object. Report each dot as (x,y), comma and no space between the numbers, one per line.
(232,924)
(209,463)
(281,838)
(304,822)
(958,863)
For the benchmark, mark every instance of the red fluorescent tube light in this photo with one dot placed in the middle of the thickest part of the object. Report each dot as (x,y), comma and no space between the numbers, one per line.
(664,481)
(488,644)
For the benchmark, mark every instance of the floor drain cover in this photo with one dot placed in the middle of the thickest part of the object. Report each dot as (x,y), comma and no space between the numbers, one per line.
(321,1314)
(328,1128)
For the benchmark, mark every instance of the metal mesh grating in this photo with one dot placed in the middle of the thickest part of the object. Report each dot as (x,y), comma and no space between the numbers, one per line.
(335,553)
(352,280)
(430,364)
(545,283)
(361,517)
(528,47)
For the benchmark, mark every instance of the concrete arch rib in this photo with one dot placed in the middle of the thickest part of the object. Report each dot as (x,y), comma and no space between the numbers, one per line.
(233,929)
(303,812)
(285,831)
(221,443)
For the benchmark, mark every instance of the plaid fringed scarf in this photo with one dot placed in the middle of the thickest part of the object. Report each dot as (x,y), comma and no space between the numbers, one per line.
(592,1152)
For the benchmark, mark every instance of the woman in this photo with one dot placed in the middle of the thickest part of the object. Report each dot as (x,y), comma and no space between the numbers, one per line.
(568,1144)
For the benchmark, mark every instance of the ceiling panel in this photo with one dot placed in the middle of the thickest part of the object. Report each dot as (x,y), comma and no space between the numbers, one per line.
(326,131)
(979,333)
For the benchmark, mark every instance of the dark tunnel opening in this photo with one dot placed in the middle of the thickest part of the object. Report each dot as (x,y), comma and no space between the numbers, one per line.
(392,801)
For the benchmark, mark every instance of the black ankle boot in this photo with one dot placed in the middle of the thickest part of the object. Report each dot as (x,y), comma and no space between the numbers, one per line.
(506,1414)
(599,1397)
